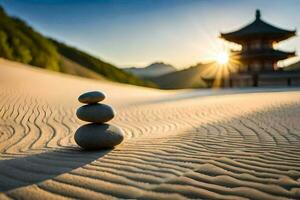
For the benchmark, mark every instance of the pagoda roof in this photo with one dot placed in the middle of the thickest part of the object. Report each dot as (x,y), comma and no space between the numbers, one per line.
(264,53)
(258,29)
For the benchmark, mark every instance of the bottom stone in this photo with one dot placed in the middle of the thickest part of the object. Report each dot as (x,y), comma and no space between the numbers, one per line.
(98,136)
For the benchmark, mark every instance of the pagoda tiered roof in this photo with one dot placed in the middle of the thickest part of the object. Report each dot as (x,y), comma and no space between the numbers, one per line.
(258,29)
(272,54)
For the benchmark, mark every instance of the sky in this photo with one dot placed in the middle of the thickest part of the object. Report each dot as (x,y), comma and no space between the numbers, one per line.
(139,32)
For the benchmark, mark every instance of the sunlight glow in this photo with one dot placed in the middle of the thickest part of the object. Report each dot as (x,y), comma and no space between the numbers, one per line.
(222,58)
(222,61)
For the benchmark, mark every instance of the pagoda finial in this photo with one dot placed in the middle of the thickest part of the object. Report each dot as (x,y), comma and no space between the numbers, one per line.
(257,14)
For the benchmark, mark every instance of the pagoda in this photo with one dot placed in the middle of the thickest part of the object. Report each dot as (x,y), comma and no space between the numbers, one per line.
(257,40)
(258,55)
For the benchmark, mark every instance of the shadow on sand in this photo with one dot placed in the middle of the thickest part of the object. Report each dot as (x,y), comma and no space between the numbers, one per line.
(19,172)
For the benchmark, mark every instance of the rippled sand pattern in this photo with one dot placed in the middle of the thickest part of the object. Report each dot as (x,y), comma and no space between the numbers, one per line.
(234,146)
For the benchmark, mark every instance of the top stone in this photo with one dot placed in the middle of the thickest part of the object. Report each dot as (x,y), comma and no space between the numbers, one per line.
(91,97)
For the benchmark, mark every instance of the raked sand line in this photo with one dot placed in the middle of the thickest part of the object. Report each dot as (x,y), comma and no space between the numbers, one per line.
(240,146)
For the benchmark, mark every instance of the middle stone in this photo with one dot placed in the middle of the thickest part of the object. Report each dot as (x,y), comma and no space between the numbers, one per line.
(97,113)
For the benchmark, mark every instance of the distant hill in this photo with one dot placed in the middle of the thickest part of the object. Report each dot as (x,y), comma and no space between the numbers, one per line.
(153,70)
(20,42)
(105,69)
(68,66)
(188,78)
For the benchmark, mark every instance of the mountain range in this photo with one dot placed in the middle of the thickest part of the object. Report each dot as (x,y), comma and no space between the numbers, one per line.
(152,70)
(191,77)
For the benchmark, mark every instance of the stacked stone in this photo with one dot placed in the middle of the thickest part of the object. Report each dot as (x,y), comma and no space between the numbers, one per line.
(97,134)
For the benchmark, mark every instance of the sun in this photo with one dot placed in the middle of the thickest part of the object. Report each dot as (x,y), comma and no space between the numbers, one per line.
(222,58)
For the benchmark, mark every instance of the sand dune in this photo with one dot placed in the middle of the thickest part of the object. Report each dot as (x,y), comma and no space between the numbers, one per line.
(178,144)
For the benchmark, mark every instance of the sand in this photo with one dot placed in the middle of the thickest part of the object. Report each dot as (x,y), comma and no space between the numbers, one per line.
(229,144)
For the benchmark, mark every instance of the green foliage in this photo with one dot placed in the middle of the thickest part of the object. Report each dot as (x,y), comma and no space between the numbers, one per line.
(5,49)
(107,70)
(19,42)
